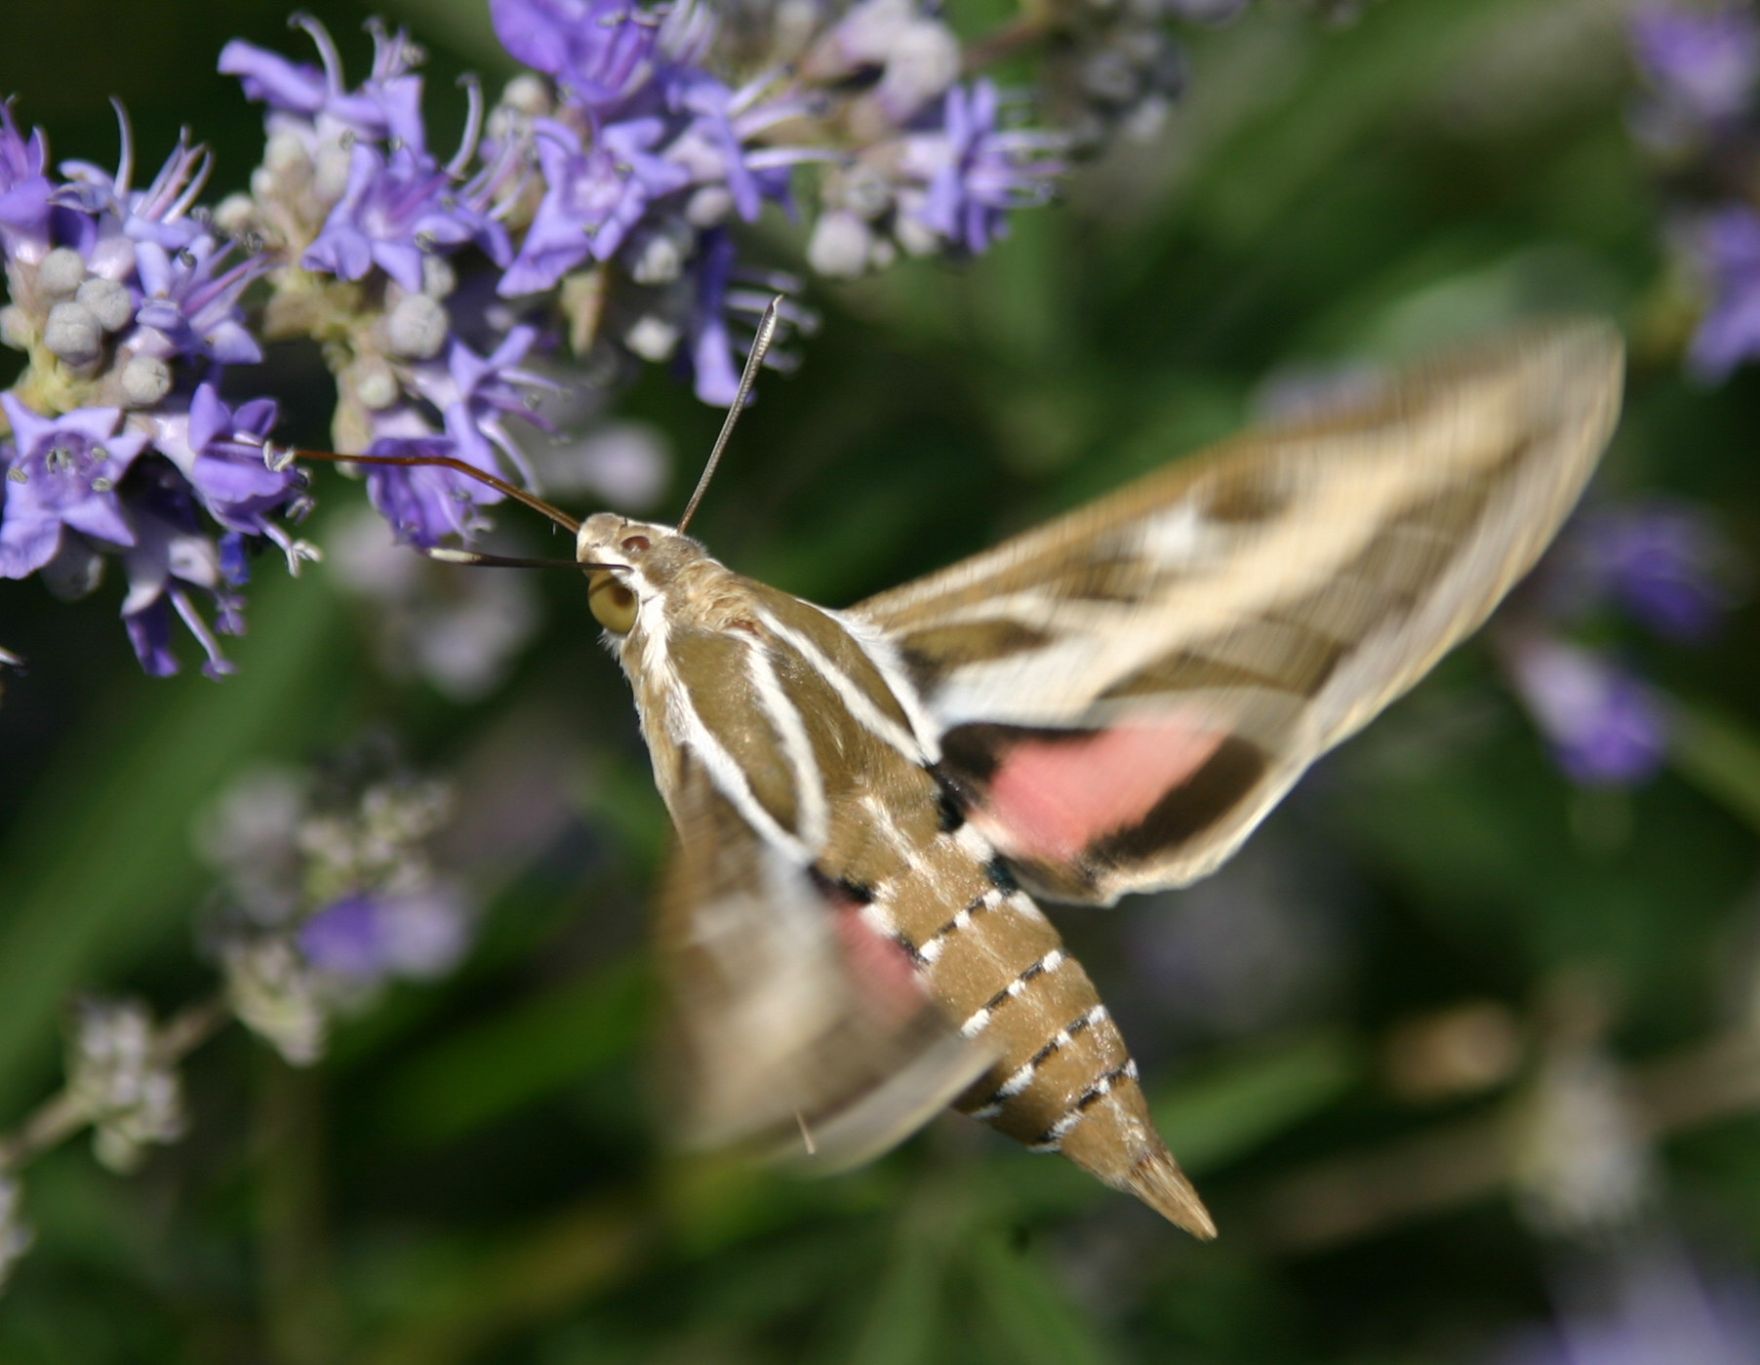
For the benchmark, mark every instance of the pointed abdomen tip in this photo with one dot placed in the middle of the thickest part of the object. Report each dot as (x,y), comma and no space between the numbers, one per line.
(1160,1184)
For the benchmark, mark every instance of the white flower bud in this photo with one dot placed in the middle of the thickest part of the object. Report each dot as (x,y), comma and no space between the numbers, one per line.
(75,572)
(285,152)
(146,380)
(840,246)
(15,327)
(235,215)
(109,302)
(123,1087)
(416,327)
(73,334)
(866,191)
(916,236)
(527,94)
(657,254)
(652,337)
(438,277)
(709,206)
(920,64)
(374,384)
(61,272)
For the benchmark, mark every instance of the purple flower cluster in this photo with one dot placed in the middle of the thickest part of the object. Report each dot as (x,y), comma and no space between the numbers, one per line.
(1700,118)
(1642,1306)
(331,893)
(596,207)
(114,441)
(593,203)
(1660,563)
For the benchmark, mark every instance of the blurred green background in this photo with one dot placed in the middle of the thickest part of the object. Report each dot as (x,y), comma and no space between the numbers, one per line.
(1361,1039)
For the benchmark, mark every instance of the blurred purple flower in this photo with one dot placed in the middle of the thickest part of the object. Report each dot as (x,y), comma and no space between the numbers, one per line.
(1702,63)
(1664,561)
(598,50)
(1727,246)
(717,146)
(370,937)
(714,371)
(24,186)
(62,475)
(976,171)
(1649,1308)
(388,105)
(1605,726)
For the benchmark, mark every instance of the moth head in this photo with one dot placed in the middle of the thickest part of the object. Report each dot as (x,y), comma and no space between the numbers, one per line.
(632,562)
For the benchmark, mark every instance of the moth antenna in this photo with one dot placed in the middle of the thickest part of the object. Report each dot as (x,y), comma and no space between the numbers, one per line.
(479,559)
(748,378)
(278,457)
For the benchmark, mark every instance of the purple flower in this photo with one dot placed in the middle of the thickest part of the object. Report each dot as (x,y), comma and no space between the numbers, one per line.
(1605,726)
(1727,244)
(24,187)
(220,451)
(1650,1308)
(599,50)
(191,302)
(117,216)
(387,105)
(975,171)
(396,210)
(715,374)
(369,937)
(63,474)
(717,147)
(473,393)
(593,196)
(170,561)
(424,504)
(1665,563)
(1704,64)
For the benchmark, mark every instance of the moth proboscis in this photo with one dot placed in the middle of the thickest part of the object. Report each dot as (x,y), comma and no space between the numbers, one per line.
(867,800)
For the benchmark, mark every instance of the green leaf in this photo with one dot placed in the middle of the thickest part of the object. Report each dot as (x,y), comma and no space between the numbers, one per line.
(1721,756)
(535,1048)
(1027,1317)
(1215,1117)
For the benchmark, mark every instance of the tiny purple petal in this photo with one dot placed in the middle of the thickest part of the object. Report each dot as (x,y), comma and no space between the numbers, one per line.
(1727,245)
(1605,726)
(1706,63)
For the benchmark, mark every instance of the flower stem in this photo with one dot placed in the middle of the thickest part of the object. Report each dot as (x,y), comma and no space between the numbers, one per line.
(63,1116)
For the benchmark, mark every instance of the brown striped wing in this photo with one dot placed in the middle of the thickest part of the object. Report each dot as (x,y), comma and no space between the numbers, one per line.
(796,1030)
(1125,692)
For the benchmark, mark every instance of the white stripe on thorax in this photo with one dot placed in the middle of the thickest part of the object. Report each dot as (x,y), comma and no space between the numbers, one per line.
(882,652)
(809,782)
(861,705)
(688,729)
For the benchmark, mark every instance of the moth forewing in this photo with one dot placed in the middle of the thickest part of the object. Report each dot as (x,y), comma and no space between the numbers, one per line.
(1127,691)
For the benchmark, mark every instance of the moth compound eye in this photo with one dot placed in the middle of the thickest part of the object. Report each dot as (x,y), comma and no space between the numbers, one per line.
(612,603)
(634,545)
